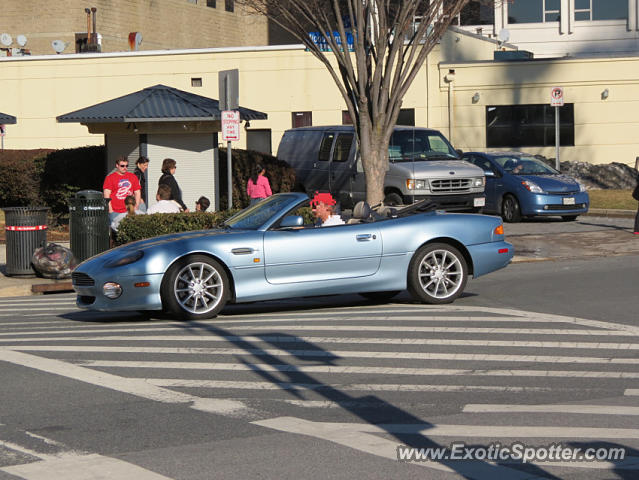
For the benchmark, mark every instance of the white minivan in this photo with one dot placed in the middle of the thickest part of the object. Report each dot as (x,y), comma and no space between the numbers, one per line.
(422,165)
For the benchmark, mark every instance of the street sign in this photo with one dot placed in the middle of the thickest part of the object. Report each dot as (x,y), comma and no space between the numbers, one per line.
(557,97)
(231,125)
(229,89)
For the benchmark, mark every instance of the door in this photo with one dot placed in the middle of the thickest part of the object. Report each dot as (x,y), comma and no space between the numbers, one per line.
(492,182)
(318,175)
(322,254)
(341,167)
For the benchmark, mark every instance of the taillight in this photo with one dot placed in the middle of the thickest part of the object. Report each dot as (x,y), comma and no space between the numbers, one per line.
(499,230)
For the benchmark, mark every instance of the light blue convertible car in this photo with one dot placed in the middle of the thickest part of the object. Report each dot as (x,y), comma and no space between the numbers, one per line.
(265,252)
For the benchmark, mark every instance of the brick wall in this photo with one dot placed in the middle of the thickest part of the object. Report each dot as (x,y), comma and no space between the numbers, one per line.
(164,24)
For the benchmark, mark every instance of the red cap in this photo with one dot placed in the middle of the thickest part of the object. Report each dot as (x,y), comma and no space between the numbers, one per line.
(325,198)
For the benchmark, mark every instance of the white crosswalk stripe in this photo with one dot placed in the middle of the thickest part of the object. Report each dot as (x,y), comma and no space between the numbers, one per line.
(375,357)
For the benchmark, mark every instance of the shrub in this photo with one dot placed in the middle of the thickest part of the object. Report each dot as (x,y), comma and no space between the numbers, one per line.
(20,179)
(280,175)
(65,172)
(138,227)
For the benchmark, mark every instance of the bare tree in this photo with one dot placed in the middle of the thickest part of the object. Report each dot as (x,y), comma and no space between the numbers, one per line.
(390,43)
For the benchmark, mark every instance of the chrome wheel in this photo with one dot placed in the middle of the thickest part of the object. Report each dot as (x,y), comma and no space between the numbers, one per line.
(196,287)
(438,274)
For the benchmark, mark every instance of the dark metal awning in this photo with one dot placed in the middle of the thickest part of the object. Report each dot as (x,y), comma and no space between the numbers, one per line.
(155,104)
(5,118)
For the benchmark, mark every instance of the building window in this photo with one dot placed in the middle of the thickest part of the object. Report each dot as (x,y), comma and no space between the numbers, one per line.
(533,11)
(196,82)
(210,3)
(509,126)
(476,12)
(229,5)
(302,119)
(406,117)
(601,10)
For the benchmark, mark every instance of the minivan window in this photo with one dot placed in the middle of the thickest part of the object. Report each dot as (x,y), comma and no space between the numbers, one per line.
(342,147)
(411,145)
(325,147)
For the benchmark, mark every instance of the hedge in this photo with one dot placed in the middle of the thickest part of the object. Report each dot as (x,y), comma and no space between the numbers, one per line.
(138,227)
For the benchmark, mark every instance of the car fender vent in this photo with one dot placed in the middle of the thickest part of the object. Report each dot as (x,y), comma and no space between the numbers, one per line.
(82,279)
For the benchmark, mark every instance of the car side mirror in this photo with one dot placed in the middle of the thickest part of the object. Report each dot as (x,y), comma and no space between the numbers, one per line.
(292,221)
(459,151)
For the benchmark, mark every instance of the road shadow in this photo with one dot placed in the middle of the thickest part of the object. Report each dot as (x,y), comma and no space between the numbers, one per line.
(295,382)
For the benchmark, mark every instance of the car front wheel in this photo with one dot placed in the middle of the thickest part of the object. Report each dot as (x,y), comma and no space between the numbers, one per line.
(196,287)
(510,210)
(437,274)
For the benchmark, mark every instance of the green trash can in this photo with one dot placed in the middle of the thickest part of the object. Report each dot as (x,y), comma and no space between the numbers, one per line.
(88,224)
(26,230)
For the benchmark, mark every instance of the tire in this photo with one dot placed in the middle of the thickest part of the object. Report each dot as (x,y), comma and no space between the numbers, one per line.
(393,199)
(510,210)
(380,296)
(186,296)
(569,218)
(437,274)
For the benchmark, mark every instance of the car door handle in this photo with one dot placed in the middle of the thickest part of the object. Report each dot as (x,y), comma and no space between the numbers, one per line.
(364,237)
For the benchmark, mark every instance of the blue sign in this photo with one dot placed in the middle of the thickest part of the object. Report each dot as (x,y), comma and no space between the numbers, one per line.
(320,40)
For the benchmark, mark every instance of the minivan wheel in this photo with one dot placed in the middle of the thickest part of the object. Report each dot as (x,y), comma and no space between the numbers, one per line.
(510,210)
(393,199)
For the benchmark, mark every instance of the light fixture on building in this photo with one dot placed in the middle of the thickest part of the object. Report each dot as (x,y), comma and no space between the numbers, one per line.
(605,94)
(476,97)
(247,125)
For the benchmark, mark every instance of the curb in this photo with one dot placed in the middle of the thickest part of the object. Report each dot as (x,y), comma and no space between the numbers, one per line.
(610,212)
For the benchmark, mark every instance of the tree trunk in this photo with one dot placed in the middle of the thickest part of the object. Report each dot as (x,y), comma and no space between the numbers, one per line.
(374,153)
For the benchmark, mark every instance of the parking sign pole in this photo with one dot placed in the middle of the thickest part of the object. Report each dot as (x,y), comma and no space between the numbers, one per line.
(557,166)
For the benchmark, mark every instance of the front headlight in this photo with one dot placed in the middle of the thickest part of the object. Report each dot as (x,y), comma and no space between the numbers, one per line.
(125,260)
(582,187)
(479,182)
(412,184)
(532,186)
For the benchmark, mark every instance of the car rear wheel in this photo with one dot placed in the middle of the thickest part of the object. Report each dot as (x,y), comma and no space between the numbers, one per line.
(437,274)
(196,287)
(380,296)
(569,218)
(393,199)
(510,210)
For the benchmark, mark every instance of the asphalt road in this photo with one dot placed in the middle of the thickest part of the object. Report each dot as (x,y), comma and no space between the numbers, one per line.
(328,387)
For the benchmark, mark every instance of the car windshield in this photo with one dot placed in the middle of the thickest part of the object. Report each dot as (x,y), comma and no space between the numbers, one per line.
(412,145)
(254,217)
(525,166)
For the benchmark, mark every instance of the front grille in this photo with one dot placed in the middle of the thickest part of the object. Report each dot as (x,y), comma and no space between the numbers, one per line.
(82,279)
(563,192)
(451,185)
(565,207)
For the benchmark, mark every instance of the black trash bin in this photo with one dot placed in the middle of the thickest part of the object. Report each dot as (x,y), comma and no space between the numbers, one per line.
(26,230)
(88,224)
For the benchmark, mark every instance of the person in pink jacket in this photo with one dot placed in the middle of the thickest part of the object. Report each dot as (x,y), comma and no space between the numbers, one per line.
(258,187)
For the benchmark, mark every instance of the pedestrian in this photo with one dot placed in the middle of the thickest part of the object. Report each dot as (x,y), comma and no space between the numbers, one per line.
(140,171)
(164,204)
(130,211)
(635,195)
(258,187)
(168,170)
(119,185)
(201,204)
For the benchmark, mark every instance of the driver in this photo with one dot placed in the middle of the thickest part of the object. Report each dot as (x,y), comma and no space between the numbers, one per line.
(323,206)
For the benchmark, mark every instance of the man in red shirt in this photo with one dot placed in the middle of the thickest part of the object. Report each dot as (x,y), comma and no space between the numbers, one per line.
(120,184)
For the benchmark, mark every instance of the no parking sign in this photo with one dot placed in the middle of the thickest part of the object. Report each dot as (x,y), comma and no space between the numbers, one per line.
(557,97)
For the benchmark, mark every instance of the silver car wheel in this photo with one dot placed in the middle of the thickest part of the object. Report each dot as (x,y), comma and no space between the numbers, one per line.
(198,288)
(441,274)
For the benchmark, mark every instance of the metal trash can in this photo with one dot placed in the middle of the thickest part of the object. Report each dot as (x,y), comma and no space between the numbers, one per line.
(26,230)
(88,224)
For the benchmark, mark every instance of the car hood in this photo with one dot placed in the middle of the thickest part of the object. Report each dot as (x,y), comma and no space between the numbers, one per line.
(437,168)
(553,183)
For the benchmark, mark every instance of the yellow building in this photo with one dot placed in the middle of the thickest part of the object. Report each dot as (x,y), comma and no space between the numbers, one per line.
(476,101)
